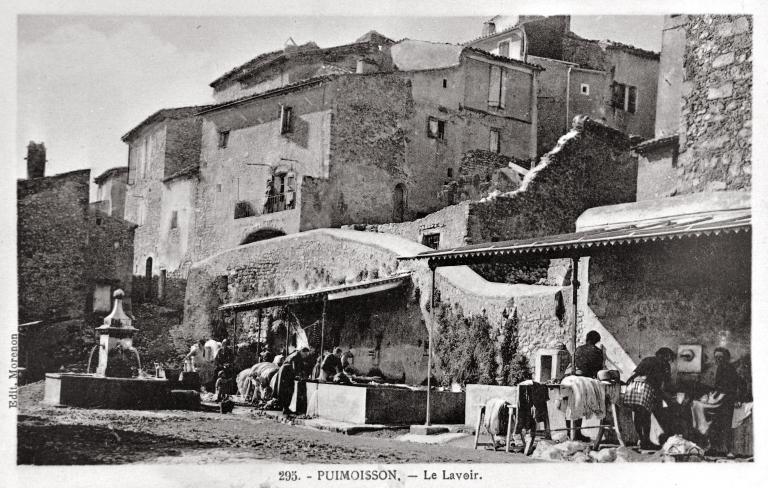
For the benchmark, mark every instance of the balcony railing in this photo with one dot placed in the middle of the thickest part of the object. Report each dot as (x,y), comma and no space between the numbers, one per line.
(280,202)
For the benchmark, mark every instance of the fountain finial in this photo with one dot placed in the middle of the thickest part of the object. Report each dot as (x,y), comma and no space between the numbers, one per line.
(117,318)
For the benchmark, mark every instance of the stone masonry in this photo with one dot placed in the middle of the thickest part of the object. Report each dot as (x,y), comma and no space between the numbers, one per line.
(716,116)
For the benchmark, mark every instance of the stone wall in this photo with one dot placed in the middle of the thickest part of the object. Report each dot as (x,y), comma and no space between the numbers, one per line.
(182,147)
(716,115)
(684,292)
(591,166)
(110,254)
(392,325)
(51,240)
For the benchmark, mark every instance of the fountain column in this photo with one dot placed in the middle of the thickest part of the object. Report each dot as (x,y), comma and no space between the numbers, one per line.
(116,340)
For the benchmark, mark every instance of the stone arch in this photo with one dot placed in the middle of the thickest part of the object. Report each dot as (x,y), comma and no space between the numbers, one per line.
(399,203)
(261,234)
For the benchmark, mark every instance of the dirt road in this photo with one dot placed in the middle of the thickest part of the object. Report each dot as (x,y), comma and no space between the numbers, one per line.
(50,435)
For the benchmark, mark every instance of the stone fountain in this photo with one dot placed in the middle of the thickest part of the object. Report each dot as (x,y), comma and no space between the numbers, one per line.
(112,385)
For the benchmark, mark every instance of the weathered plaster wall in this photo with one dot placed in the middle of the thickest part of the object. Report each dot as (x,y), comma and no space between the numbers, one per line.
(144,194)
(716,115)
(641,72)
(590,167)
(112,194)
(657,172)
(52,241)
(368,149)
(683,292)
(670,82)
(173,245)
(110,254)
(255,151)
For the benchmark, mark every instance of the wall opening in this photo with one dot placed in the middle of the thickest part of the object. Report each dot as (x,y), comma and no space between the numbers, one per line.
(261,235)
(398,203)
(148,277)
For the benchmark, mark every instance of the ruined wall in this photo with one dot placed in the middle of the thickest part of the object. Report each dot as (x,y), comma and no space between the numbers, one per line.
(657,171)
(590,167)
(182,147)
(111,194)
(683,292)
(716,115)
(51,239)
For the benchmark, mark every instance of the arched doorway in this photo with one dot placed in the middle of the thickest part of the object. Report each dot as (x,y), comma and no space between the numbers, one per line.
(262,234)
(398,203)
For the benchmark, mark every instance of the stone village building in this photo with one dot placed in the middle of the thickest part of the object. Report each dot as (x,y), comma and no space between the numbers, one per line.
(307,138)
(71,257)
(608,81)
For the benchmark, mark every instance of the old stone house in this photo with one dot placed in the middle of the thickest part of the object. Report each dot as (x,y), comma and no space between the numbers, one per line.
(608,81)
(71,257)
(307,138)
(163,159)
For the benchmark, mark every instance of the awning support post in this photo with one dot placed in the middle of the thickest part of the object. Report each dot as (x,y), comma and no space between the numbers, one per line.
(234,339)
(429,357)
(322,329)
(258,348)
(575,287)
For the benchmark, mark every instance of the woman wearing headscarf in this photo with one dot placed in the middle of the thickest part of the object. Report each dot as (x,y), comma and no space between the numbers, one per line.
(645,392)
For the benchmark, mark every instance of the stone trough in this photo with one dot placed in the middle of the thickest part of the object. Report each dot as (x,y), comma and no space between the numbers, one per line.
(377,404)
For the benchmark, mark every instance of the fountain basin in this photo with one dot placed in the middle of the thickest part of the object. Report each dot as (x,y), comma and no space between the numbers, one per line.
(93,391)
(377,404)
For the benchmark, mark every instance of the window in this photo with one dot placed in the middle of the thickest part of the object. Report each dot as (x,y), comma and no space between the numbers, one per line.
(286,119)
(244,209)
(435,128)
(174,219)
(584,89)
(431,240)
(494,145)
(223,138)
(504,49)
(624,97)
(445,83)
(497,87)
(450,172)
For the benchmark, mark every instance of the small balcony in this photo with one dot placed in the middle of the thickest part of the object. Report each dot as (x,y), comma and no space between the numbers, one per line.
(280,202)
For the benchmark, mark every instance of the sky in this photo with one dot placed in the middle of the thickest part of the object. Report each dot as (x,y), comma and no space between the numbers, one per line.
(84,81)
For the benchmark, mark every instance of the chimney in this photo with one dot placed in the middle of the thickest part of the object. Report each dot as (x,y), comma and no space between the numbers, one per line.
(35,160)
(489,27)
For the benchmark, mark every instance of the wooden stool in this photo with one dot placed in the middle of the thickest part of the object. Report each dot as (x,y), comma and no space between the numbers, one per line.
(512,410)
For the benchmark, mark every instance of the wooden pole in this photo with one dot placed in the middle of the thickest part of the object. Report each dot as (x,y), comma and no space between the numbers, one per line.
(322,330)
(575,286)
(234,339)
(258,347)
(429,357)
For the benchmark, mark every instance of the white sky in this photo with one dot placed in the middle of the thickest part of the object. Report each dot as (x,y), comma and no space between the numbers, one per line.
(84,81)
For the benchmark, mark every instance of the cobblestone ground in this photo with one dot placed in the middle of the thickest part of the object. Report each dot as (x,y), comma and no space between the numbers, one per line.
(50,435)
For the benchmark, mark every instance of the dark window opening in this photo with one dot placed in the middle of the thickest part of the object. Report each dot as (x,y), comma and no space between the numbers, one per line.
(286,119)
(398,203)
(631,99)
(450,172)
(624,97)
(244,209)
(148,278)
(435,128)
(161,284)
(223,138)
(174,219)
(281,193)
(431,240)
(445,83)
(504,49)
